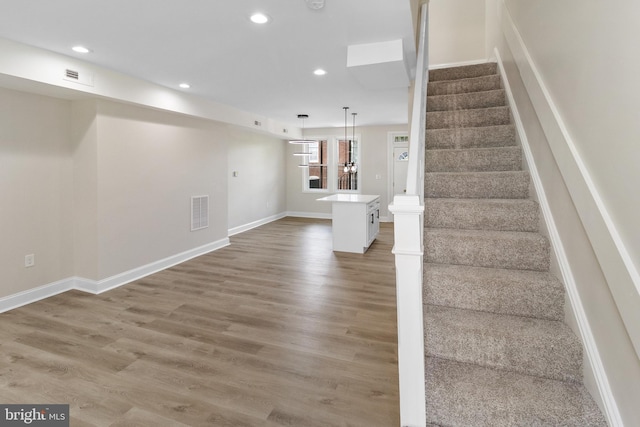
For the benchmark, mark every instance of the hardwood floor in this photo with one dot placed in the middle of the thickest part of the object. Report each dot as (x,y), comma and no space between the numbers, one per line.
(274,330)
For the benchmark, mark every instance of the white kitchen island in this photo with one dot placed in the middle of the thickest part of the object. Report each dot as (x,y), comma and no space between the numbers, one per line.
(355,221)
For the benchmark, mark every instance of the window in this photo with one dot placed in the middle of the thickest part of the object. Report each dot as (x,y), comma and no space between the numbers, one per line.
(332,167)
(318,166)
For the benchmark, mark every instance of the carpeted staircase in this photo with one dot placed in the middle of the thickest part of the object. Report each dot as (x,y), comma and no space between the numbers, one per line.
(498,351)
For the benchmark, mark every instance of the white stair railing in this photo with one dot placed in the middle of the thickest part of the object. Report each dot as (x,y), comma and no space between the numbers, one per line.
(408,211)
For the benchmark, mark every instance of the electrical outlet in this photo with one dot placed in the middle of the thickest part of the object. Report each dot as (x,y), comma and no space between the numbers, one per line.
(29,260)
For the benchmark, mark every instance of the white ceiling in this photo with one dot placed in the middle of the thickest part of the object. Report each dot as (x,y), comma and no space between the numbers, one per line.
(212,44)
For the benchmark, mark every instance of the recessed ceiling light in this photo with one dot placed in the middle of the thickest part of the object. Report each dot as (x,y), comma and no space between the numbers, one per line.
(259,18)
(319,72)
(80,49)
(185,85)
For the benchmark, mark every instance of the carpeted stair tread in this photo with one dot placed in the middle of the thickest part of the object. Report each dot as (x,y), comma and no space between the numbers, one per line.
(494,314)
(474,159)
(477,185)
(482,248)
(467,101)
(482,214)
(539,347)
(475,137)
(463,72)
(479,117)
(473,84)
(462,394)
(512,292)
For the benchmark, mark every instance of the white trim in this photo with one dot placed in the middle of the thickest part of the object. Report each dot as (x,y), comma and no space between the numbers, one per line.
(100,286)
(36,294)
(458,64)
(246,227)
(593,356)
(316,215)
(406,252)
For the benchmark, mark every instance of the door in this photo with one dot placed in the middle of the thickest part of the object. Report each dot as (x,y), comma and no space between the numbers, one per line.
(400,164)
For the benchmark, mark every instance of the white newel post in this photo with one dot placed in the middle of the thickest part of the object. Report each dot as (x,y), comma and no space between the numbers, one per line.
(408,217)
(408,250)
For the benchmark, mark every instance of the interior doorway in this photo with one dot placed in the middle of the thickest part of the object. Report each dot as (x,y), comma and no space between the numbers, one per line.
(398,149)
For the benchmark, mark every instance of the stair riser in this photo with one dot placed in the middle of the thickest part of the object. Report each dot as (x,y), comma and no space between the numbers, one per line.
(525,350)
(510,297)
(480,185)
(464,72)
(499,215)
(528,251)
(468,118)
(476,137)
(467,101)
(478,84)
(474,160)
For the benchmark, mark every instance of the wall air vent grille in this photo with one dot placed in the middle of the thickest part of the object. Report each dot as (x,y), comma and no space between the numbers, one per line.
(72,74)
(199,212)
(82,77)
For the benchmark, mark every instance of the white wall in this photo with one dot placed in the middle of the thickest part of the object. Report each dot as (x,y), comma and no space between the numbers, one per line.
(150,164)
(595,43)
(456,32)
(84,140)
(258,191)
(35,190)
(554,67)
(373,170)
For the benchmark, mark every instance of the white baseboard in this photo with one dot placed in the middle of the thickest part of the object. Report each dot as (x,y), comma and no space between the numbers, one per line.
(458,64)
(316,215)
(36,294)
(246,227)
(99,286)
(593,356)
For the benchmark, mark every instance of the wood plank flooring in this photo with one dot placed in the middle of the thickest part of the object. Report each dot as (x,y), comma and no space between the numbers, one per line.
(274,330)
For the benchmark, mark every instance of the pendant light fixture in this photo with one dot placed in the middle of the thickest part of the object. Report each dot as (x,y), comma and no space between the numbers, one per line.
(354,167)
(350,165)
(302,140)
(346,141)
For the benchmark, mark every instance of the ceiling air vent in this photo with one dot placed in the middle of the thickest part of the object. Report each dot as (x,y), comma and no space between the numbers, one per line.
(71,74)
(199,212)
(315,4)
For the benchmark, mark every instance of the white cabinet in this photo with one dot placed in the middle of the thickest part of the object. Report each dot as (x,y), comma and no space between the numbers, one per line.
(355,221)
(373,221)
